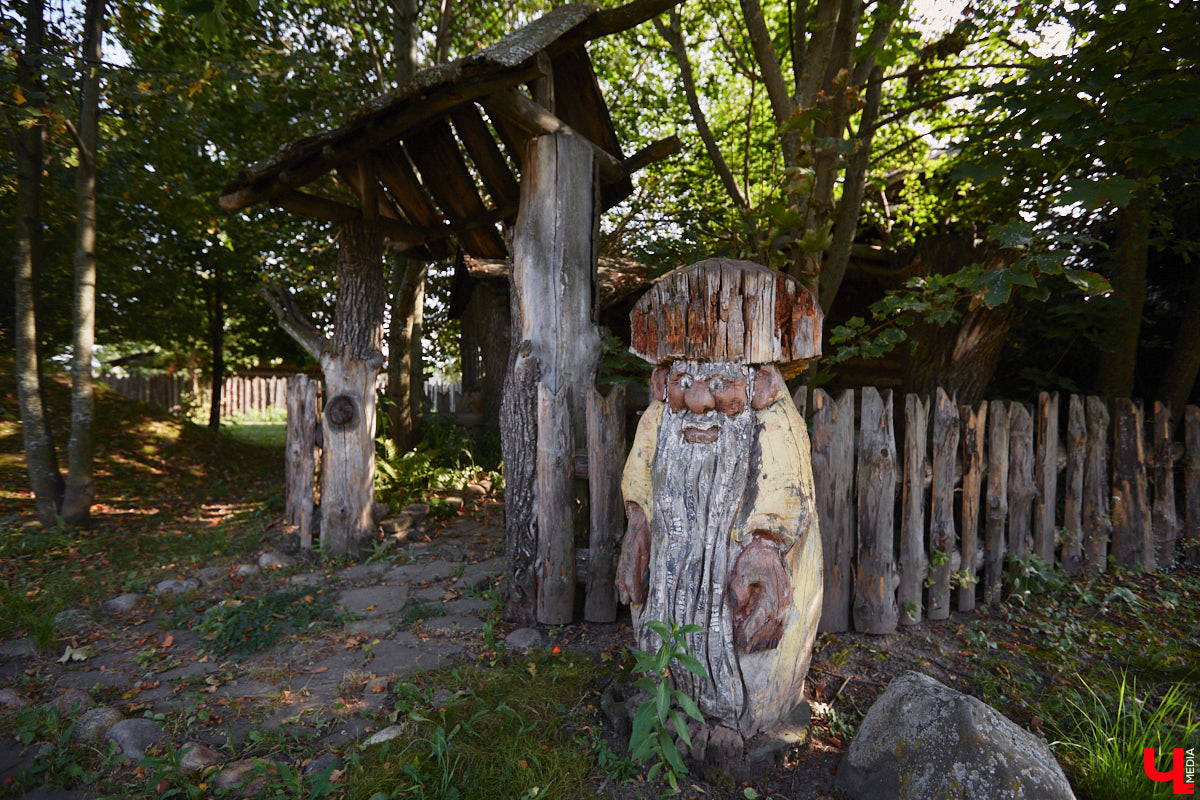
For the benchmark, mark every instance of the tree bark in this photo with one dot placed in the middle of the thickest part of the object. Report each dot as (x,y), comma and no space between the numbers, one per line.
(41,460)
(1131,248)
(80,488)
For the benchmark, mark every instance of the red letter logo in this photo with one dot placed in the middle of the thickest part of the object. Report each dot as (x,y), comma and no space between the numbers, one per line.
(1176,775)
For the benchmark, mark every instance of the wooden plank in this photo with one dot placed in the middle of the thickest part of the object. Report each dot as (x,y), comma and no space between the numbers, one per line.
(1191,420)
(555,564)
(1021,488)
(974,424)
(1046,477)
(1133,535)
(914,566)
(1165,520)
(942,536)
(486,155)
(436,156)
(1072,544)
(605,453)
(997,501)
(1097,522)
(876,579)
(833,480)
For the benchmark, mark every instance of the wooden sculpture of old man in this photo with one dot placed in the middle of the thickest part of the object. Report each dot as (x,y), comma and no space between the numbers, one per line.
(718,487)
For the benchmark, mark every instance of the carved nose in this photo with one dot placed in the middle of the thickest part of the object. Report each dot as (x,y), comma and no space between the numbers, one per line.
(698,398)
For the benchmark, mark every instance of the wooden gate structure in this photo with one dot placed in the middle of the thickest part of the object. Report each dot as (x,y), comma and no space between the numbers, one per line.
(404,173)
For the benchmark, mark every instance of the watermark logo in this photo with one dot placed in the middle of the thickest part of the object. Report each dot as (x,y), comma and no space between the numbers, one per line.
(1183,769)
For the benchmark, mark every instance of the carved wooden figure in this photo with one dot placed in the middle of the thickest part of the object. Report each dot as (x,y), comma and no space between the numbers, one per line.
(718,487)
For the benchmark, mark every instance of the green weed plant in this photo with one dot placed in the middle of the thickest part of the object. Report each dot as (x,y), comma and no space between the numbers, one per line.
(657,721)
(255,623)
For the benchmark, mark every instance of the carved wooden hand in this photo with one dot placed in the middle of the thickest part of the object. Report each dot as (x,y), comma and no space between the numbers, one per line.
(633,568)
(760,588)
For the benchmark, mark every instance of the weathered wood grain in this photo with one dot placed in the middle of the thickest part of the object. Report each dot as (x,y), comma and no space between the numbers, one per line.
(914,565)
(555,564)
(518,447)
(942,536)
(1165,519)
(1045,501)
(833,479)
(974,425)
(1021,489)
(997,501)
(1097,522)
(606,452)
(876,579)
(1191,421)
(348,461)
(301,452)
(1133,535)
(1072,544)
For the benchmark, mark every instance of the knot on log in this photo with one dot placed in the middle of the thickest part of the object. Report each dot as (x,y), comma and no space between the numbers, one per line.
(342,411)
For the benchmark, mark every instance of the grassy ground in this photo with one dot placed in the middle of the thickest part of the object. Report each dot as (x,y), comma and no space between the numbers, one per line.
(169,494)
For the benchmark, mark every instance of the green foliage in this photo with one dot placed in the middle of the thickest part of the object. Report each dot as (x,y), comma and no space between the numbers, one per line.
(443,460)
(256,623)
(1103,736)
(656,721)
(60,761)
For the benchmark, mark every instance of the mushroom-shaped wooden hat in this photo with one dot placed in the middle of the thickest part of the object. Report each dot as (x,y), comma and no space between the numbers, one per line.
(725,310)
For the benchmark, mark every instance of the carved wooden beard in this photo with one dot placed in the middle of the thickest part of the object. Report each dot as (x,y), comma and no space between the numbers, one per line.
(699,486)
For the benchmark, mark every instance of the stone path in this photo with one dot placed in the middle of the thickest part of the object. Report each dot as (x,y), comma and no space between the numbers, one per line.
(133,672)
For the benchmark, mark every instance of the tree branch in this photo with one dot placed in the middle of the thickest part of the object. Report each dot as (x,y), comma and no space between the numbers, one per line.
(293,321)
(674,38)
(768,61)
(904,112)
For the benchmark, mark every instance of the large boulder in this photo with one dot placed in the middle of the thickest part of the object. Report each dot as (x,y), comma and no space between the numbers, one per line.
(922,740)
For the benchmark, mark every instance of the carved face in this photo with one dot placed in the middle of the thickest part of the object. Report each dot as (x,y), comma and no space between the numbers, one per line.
(709,391)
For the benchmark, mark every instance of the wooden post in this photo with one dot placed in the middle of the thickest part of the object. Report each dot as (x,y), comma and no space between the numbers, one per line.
(1046,477)
(942,535)
(1097,522)
(1191,419)
(876,579)
(555,566)
(1133,535)
(1165,520)
(833,479)
(350,367)
(1072,545)
(914,565)
(1021,488)
(974,424)
(555,335)
(606,453)
(997,501)
(301,453)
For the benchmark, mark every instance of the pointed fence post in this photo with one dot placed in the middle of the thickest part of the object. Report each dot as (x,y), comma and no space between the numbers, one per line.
(833,479)
(974,424)
(997,501)
(1072,545)
(942,535)
(876,579)
(914,565)
(1046,477)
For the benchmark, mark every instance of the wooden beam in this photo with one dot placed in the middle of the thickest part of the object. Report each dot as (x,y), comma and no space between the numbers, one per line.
(437,157)
(521,110)
(614,20)
(310,205)
(655,151)
(397,175)
(478,140)
(354,142)
(362,180)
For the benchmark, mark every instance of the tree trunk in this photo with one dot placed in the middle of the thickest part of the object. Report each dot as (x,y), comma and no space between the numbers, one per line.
(41,460)
(1131,247)
(554,319)
(216,343)
(350,367)
(408,277)
(1180,377)
(80,489)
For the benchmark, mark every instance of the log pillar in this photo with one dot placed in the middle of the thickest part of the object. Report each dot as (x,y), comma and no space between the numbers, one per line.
(556,343)
(350,367)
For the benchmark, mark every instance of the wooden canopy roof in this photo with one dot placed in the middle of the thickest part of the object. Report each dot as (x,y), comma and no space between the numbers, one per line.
(416,156)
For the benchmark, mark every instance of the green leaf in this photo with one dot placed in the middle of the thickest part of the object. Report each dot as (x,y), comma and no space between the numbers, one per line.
(1015,233)
(689,706)
(662,700)
(691,664)
(681,728)
(659,627)
(1095,194)
(996,286)
(1093,284)
(671,751)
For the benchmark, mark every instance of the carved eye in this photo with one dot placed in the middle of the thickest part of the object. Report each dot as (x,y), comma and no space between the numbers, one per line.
(685,381)
(715,384)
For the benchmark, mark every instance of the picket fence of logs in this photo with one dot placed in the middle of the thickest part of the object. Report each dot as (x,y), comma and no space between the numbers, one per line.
(979,492)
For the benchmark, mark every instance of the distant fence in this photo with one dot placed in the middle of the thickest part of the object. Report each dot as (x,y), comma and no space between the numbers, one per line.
(167,391)
(974,485)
